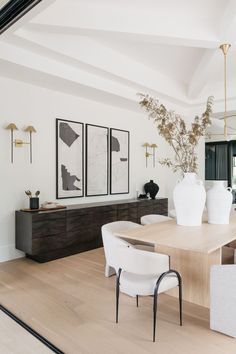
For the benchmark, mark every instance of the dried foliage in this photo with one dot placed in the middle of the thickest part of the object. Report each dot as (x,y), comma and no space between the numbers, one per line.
(173,129)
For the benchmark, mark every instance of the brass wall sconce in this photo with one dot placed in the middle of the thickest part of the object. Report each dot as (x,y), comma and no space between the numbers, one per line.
(149,154)
(225,48)
(20,143)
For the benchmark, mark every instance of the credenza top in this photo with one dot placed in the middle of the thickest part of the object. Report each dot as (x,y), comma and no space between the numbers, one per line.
(97,204)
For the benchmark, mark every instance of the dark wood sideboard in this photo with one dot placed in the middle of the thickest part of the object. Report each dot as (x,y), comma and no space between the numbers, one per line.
(49,235)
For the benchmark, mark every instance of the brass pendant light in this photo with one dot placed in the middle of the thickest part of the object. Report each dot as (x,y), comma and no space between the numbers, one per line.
(225,48)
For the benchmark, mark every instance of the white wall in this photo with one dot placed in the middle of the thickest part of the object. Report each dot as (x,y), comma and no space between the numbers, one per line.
(26,104)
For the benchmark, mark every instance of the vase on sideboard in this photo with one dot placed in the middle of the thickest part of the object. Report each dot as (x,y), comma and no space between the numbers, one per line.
(219,203)
(151,188)
(189,200)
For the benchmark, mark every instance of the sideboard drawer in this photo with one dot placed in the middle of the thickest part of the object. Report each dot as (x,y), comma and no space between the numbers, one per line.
(145,211)
(49,215)
(48,227)
(46,244)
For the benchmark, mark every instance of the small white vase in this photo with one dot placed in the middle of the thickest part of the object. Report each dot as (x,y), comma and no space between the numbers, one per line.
(189,200)
(219,203)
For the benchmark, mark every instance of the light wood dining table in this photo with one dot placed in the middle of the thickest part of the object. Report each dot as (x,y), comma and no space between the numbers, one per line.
(192,250)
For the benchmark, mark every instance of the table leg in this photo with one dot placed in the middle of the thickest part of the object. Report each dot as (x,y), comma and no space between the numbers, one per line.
(194,268)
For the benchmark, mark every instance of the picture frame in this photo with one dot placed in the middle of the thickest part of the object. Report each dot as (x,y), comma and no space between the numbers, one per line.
(69,159)
(119,161)
(97,160)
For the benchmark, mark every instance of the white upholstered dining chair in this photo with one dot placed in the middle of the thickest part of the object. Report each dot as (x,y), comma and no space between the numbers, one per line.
(145,273)
(111,242)
(153,218)
(223,299)
(172,214)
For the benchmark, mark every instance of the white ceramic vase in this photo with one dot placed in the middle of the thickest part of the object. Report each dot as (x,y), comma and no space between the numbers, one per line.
(189,200)
(219,203)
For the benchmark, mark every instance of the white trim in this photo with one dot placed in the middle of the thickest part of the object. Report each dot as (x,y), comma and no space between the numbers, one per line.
(9,252)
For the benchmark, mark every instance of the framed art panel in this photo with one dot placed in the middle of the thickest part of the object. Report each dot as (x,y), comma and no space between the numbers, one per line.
(96,160)
(69,159)
(119,161)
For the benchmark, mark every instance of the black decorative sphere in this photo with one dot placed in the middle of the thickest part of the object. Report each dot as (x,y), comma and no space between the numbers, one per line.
(151,188)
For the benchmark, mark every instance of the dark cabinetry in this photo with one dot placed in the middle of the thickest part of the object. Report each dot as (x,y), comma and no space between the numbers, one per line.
(45,236)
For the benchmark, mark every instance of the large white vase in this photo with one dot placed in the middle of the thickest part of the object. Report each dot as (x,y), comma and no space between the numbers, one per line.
(219,203)
(189,200)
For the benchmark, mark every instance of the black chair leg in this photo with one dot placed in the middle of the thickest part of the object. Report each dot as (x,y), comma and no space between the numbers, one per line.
(180,303)
(137,300)
(162,276)
(117,294)
(154,315)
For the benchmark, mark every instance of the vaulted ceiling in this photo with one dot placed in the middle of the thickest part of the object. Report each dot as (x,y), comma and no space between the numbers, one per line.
(108,50)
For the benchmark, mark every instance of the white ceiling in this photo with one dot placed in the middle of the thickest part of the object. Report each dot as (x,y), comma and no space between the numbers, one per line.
(109,50)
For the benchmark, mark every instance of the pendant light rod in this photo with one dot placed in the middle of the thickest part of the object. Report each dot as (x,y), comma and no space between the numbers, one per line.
(225,48)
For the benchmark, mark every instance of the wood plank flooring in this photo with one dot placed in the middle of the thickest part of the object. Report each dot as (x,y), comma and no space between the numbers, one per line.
(72,304)
(15,340)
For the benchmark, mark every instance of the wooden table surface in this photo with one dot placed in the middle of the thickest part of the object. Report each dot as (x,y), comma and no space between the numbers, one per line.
(205,238)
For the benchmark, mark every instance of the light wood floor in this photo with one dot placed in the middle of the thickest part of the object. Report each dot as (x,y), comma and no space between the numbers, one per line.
(71,303)
(15,340)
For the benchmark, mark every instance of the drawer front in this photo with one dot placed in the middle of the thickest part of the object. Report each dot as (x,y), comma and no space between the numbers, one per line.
(50,243)
(78,221)
(88,211)
(48,227)
(49,215)
(161,209)
(145,210)
(130,214)
(91,220)
(79,212)
(102,217)
(84,235)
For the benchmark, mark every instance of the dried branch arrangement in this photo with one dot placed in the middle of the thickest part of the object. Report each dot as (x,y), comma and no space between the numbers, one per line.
(173,129)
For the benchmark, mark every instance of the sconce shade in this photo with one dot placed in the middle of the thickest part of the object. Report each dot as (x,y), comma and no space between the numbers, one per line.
(30,129)
(153,145)
(225,48)
(146,144)
(12,126)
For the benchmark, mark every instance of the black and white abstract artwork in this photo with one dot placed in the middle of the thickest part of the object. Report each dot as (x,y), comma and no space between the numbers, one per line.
(119,161)
(96,160)
(69,159)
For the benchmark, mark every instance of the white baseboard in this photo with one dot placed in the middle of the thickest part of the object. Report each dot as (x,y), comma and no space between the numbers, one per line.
(9,252)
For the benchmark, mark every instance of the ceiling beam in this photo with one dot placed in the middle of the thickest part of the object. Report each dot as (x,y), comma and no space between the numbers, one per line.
(28,62)
(200,75)
(186,41)
(103,61)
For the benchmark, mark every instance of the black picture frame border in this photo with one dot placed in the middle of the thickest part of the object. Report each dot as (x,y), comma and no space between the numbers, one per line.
(86,159)
(57,140)
(125,131)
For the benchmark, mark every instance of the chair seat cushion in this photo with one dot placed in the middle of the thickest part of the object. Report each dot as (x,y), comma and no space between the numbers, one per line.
(134,284)
(153,218)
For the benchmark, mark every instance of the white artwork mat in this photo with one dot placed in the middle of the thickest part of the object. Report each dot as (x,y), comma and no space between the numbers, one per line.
(119,161)
(69,159)
(96,160)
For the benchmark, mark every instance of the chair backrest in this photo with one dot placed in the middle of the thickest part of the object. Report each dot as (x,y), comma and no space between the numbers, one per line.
(141,262)
(153,218)
(111,242)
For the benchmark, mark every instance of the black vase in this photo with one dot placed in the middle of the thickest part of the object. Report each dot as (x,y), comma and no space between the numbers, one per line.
(34,203)
(151,188)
